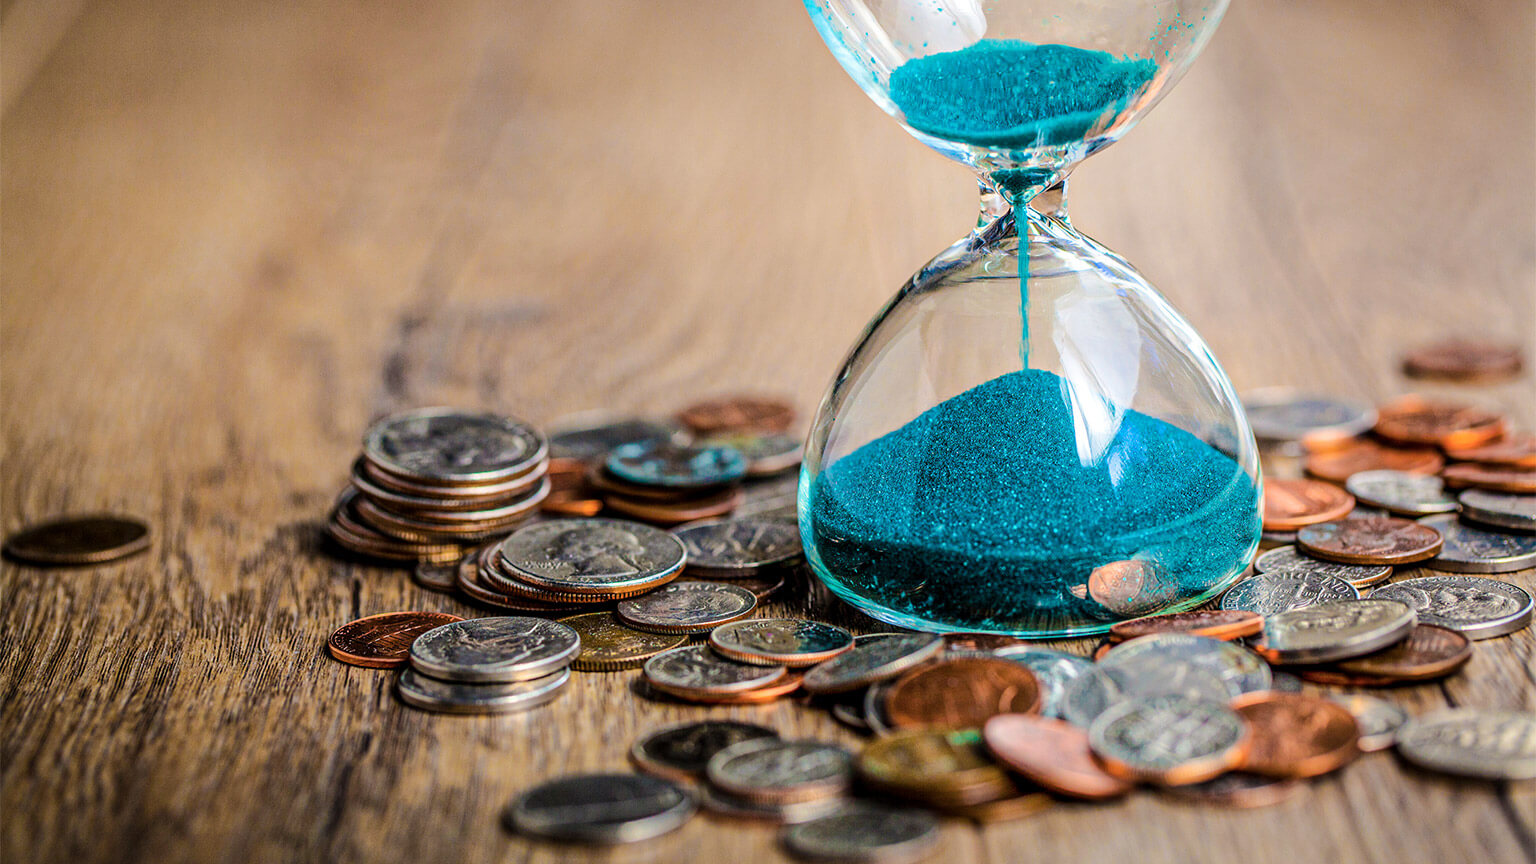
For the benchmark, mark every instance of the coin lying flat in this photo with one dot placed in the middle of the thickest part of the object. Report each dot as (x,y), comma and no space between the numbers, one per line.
(608,646)
(587,440)
(449,447)
(647,463)
(1277,591)
(1511,452)
(1224,624)
(1414,420)
(962,694)
(735,807)
(1335,631)
(383,641)
(739,547)
(1370,541)
(943,768)
(592,555)
(90,539)
(1290,504)
(696,669)
(687,607)
(766,454)
(1052,753)
(1493,745)
(1237,790)
(1054,670)
(1401,492)
(742,413)
(1478,607)
(1149,658)
(865,832)
(601,808)
(1338,465)
(1285,414)
(1469,549)
(1290,558)
(1296,734)
(780,641)
(683,752)
(872,660)
(1169,740)
(779,771)
(455,697)
(1494,478)
(1429,652)
(499,649)
(1504,510)
(1378,720)
(1087,696)
(1463,360)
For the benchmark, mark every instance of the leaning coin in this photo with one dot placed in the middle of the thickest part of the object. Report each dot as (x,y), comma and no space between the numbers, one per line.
(495,649)
(449,447)
(591,555)
(1504,510)
(1140,659)
(1469,549)
(91,539)
(383,641)
(1290,504)
(780,641)
(1054,670)
(453,697)
(687,607)
(696,669)
(865,832)
(1279,590)
(739,547)
(1414,420)
(608,646)
(1401,492)
(1285,414)
(1469,742)
(1296,734)
(1335,631)
(1478,607)
(1491,477)
(1370,541)
(1053,754)
(648,463)
(870,661)
(782,772)
(1169,740)
(1429,652)
(601,808)
(962,694)
(1378,719)
(683,752)
(1224,624)
(1289,558)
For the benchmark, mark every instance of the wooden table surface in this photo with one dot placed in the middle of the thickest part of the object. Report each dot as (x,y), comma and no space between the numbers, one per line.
(234,232)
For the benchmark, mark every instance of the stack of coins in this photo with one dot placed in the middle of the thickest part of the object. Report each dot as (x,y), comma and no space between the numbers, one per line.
(488,665)
(668,484)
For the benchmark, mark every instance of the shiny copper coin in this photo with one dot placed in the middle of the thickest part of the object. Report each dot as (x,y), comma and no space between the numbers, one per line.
(1337,465)
(571,504)
(1378,540)
(383,641)
(1513,452)
(1429,652)
(1413,420)
(1296,734)
(738,414)
(76,540)
(1464,360)
(1052,753)
(1130,588)
(962,694)
(1224,624)
(1494,478)
(1290,504)
(470,584)
(720,504)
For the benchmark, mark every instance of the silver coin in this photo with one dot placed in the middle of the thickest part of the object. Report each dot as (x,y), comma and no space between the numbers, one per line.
(772,769)
(1285,682)
(1089,695)
(1150,737)
(1336,631)
(687,607)
(601,808)
(1366,512)
(696,667)
(1236,789)
(1285,414)
(683,752)
(1291,558)
(591,555)
(454,697)
(874,708)
(480,650)
(1280,590)
(648,463)
(872,660)
(1499,509)
(1170,677)
(865,832)
(440,576)
(766,454)
(1477,607)
(851,714)
(1159,656)
(1378,719)
(792,641)
(726,804)
(441,445)
(1400,492)
(1055,670)
(589,438)
(1469,549)
(739,547)
(1469,742)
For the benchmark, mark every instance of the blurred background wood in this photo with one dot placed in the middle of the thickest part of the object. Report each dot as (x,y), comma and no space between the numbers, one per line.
(232,233)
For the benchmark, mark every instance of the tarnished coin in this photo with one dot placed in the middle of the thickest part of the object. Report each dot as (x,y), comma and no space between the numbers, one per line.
(1339,464)
(449,447)
(687,607)
(482,650)
(766,454)
(1224,624)
(601,808)
(647,463)
(1370,541)
(1510,452)
(592,555)
(945,768)
(1415,420)
(1290,504)
(695,669)
(1400,492)
(457,697)
(1054,670)
(865,832)
(779,771)
(1469,742)
(608,646)
(1159,657)
(1237,790)
(678,512)
(89,539)
(1286,414)
(1290,558)
(1377,719)
(1469,549)
(780,641)
(742,547)
(1169,740)
(1131,587)
(962,694)
(742,413)
(1052,753)
(683,752)
(1494,478)
(1279,590)
(1480,608)
(588,440)
(1499,509)
(872,660)
(1296,734)
(1463,360)
(1429,652)
(383,641)
(1335,631)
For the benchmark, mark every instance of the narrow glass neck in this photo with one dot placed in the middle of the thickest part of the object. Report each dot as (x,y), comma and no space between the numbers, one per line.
(1050,202)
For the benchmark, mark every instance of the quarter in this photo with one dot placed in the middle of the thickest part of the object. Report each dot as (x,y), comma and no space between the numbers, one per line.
(578,556)
(1335,631)
(1478,607)
(1169,740)
(1277,591)
(1469,549)
(455,697)
(502,649)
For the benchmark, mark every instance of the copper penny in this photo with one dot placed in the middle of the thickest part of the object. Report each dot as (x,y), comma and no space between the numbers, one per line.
(1497,479)
(1129,588)
(383,641)
(571,504)
(1429,652)
(1464,360)
(978,643)
(738,414)
(962,694)
(1413,420)
(1377,540)
(1290,504)
(1337,465)
(1225,624)
(1296,734)
(676,513)
(469,581)
(1514,452)
(756,696)
(1052,753)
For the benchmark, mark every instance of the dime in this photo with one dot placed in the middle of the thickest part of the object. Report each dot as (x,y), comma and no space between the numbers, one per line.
(447,447)
(1296,734)
(1480,608)
(1401,492)
(780,641)
(1491,477)
(1336,466)
(608,646)
(1158,658)
(88,539)
(1053,754)
(1285,414)
(772,770)
(687,607)
(1335,631)
(1279,590)
(945,768)
(1413,420)
(1462,360)
(1225,624)
(683,752)
(1378,720)
(738,414)
(725,804)
(647,463)
(1169,740)
(1429,652)
(677,512)
(454,697)
(1290,504)
(383,641)
(739,547)
(1053,669)
(865,832)
(1469,549)
(872,660)
(1493,745)
(601,808)
(766,455)
(1370,541)
(482,650)
(694,670)
(1237,790)
(1290,558)
(1515,452)
(1087,696)
(1499,509)
(586,441)
(592,555)
(962,694)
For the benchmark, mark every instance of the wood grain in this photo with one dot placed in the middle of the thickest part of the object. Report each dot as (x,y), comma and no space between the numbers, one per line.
(232,233)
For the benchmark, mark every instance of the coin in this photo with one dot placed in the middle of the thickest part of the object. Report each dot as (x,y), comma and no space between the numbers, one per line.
(498,649)
(938,767)
(1511,452)
(1136,663)
(1087,696)
(738,414)
(1463,360)
(1414,420)
(449,447)
(1053,754)
(471,583)
(457,697)
(1378,720)
(683,752)
(962,694)
(404,494)
(1336,466)
(601,808)
(1428,652)
(1296,734)
(1370,541)
(1290,504)
(1054,671)
(724,804)
(970,644)
(1492,477)
(1225,624)
(1478,607)
(1130,587)
(352,534)
(1469,549)
(865,832)
(766,455)
(780,641)
(1335,631)
(872,660)
(1469,742)
(1286,414)
(677,512)
(1278,590)
(781,772)
(647,463)
(591,555)
(383,641)
(1499,509)
(77,540)
(687,607)
(875,716)
(770,692)
(438,575)
(739,547)
(695,669)
(1290,558)
(587,440)
(1237,790)
(608,646)
(1169,740)
(1400,492)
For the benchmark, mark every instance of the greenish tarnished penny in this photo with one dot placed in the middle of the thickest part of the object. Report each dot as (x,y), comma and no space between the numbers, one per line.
(1470,549)
(76,540)
(1470,742)
(683,752)
(687,607)
(1335,631)
(780,641)
(1479,607)
(457,697)
(872,660)
(650,463)
(609,646)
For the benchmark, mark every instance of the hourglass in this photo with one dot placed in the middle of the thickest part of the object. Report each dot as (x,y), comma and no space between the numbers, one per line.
(1027,439)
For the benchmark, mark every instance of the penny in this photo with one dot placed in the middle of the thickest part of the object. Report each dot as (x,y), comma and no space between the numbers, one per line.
(587,441)
(1377,719)
(1285,414)
(1370,541)
(1053,754)
(1469,742)
(871,661)
(1512,452)
(1237,790)
(739,547)
(1054,670)
(1290,504)
(1335,631)
(570,504)
(875,715)
(780,641)
(687,607)
(1469,549)
(771,692)
(1225,624)
(865,832)
(1169,740)
(1131,587)
(1279,590)
(1296,734)
(1290,558)
(1463,360)
(978,643)
(77,540)
(1337,466)
(591,555)
(482,650)
(962,694)
(1400,492)
(683,752)
(1499,509)
(738,414)
(1477,607)
(608,646)
(695,669)
(676,513)
(1491,477)
(398,492)
(724,804)
(1139,660)
(1413,420)
(383,641)
(1428,652)
(782,772)
(766,455)
(647,463)
(448,447)
(937,767)
(601,808)
(457,697)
